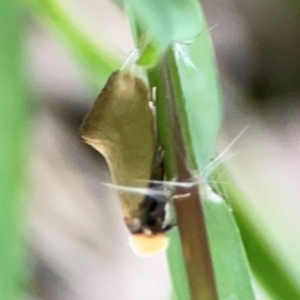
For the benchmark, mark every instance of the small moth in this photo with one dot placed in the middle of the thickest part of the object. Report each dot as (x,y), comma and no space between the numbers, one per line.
(120,126)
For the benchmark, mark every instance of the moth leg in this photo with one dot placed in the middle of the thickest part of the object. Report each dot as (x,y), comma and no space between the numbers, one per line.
(180,196)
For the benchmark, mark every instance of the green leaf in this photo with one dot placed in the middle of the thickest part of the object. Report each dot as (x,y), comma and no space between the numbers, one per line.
(200,90)
(163,22)
(267,266)
(13,121)
(227,250)
(195,85)
(177,267)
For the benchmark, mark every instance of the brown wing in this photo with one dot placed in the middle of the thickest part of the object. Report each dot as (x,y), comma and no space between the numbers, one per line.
(120,126)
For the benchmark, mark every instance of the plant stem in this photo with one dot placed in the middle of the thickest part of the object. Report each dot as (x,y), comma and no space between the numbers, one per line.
(189,211)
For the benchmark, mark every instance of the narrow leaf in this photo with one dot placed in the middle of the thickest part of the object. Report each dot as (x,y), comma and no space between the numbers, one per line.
(163,22)
(229,257)
(12,124)
(267,266)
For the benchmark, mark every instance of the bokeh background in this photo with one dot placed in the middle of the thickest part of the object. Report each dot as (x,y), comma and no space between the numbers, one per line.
(76,240)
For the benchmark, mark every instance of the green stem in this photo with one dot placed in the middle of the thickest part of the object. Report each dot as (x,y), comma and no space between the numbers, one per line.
(189,212)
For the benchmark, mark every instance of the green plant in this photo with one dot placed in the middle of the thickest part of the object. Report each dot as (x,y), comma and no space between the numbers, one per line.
(13,120)
(175,33)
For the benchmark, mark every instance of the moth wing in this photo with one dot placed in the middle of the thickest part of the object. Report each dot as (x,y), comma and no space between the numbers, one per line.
(120,127)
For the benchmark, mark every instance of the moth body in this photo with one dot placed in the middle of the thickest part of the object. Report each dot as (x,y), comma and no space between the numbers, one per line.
(120,126)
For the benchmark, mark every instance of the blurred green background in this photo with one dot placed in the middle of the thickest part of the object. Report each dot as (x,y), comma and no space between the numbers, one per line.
(54,59)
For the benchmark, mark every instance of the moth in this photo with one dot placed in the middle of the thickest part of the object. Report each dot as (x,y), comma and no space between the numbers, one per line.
(121,127)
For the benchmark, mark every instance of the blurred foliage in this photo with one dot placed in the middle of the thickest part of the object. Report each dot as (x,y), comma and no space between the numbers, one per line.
(265,263)
(165,22)
(96,60)
(13,121)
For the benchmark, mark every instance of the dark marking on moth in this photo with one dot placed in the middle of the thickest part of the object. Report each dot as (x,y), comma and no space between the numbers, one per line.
(155,206)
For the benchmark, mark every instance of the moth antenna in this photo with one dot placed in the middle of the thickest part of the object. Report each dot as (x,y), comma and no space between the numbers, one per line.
(173,183)
(161,182)
(142,191)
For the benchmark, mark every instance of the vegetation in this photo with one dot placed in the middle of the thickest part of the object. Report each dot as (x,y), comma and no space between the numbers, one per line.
(224,252)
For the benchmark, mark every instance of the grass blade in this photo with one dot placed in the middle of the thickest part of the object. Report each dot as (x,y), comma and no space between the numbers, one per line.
(177,267)
(229,257)
(267,267)
(163,22)
(195,84)
(190,217)
(12,124)
(229,260)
